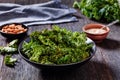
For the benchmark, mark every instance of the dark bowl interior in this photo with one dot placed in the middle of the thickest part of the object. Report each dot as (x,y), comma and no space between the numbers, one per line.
(60,67)
(14,36)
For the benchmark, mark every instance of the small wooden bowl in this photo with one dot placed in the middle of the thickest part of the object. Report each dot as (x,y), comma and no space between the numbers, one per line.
(97,37)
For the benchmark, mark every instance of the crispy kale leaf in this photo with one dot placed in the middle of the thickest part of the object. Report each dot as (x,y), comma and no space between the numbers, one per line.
(7,50)
(13,43)
(9,61)
(56,46)
(10,48)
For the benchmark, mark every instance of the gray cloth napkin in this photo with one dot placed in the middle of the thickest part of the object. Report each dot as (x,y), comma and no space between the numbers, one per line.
(44,13)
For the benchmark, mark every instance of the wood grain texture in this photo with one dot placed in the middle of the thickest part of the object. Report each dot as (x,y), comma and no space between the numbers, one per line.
(105,65)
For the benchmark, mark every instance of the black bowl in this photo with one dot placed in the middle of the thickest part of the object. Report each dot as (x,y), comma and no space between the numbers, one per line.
(14,36)
(60,67)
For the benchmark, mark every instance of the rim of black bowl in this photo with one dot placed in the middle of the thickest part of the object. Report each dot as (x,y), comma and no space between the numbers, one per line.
(55,65)
(24,26)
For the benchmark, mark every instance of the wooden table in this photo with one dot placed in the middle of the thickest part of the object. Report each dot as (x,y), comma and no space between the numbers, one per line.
(105,65)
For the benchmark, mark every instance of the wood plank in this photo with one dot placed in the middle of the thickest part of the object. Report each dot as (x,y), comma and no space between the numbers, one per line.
(2,43)
(111,49)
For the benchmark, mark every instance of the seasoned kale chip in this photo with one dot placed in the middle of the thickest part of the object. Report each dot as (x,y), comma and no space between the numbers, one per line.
(56,46)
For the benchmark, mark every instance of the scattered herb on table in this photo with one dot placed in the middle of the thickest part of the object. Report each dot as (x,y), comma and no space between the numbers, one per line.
(9,61)
(13,43)
(56,46)
(4,50)
(10,49)
(108,10)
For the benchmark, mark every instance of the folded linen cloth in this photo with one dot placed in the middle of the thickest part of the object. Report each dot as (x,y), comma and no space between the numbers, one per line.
(44,13)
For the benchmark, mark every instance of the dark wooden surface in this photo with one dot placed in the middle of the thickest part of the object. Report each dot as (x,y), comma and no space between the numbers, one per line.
(105,65)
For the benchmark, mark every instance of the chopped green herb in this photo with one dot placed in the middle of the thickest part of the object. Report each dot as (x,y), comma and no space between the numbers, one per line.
(10,48)
(13,43)
(9,61)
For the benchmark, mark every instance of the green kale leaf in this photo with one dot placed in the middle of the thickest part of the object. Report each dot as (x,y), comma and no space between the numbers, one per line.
(56,46)
(9,61)
(107,10)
